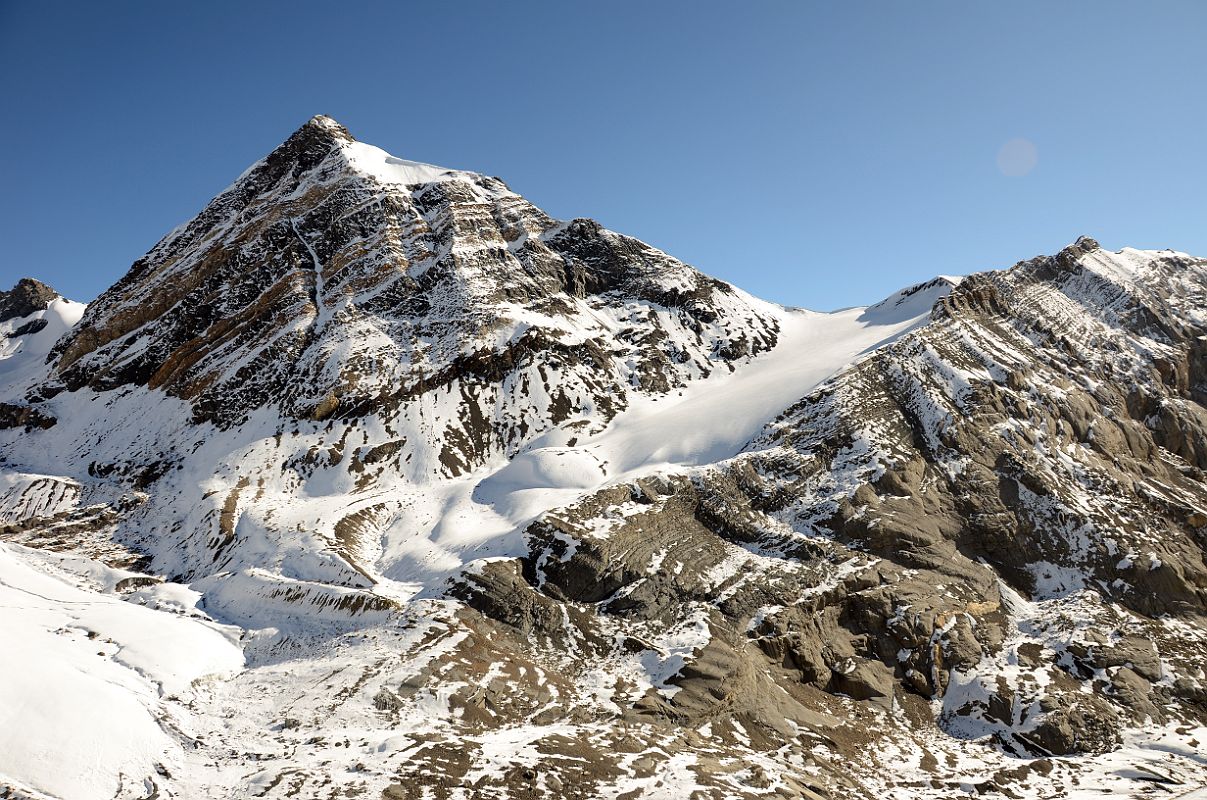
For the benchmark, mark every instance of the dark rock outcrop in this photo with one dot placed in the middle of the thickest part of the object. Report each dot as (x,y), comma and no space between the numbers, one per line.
(26,297)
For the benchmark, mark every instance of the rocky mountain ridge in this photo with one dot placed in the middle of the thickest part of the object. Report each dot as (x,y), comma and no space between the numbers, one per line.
(492,505)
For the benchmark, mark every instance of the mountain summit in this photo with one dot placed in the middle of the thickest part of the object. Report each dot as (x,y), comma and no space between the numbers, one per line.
(375,480)
(335,279)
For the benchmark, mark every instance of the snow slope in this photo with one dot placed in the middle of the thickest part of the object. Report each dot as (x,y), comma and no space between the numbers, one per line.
(84,675)
(23,358)
(706,422)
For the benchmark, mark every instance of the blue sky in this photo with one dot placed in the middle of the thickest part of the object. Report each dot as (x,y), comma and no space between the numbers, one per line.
(817,154)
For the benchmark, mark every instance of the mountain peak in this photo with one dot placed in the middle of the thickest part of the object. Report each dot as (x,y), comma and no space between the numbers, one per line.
(324,121)
(323,126)
(321,133)
(314,139)
(25,298)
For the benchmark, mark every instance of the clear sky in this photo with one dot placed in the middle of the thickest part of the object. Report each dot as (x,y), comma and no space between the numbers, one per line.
(817,154)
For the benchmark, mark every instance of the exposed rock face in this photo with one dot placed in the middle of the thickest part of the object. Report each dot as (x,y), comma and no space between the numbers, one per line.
(1018,482)
(25,298)
(21,416)
(414,438)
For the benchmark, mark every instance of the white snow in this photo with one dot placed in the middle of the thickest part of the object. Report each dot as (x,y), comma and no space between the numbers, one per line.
(388,169)
(82,677)
(713,419)
(23,358)
(709,420)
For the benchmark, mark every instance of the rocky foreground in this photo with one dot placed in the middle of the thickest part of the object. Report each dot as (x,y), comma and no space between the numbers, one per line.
(374,480)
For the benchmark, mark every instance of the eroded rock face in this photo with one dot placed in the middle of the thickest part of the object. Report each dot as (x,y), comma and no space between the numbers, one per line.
(14,415)
(1018,483)
(26,297)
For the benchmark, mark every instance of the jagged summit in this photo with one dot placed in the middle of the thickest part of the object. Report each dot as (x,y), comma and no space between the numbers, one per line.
(26,297)
(322,134)
(335,279)
(324,122)
(322,127)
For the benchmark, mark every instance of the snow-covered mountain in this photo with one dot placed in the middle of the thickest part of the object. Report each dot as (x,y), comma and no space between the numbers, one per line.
(374,480)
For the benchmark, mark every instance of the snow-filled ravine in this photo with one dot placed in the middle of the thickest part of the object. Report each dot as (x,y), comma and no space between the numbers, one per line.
(710,420)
